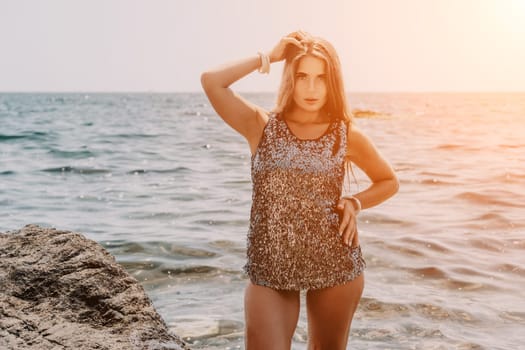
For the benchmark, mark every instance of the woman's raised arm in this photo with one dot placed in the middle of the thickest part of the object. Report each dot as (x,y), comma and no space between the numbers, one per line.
(245,117)
(236,111)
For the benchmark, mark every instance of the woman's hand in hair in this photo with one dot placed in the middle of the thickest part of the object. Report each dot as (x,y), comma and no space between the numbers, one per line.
(286,45)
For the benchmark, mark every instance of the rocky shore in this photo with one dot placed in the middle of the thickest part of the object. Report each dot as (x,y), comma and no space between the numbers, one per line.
(60,290)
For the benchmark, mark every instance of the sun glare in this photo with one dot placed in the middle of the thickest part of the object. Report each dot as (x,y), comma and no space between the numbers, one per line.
(510,15)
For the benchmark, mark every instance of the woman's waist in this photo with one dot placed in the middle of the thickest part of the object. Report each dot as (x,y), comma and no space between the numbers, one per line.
(305,184)
(294,210)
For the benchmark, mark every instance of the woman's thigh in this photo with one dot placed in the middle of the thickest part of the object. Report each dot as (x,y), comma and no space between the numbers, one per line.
(330,312)
(271,317)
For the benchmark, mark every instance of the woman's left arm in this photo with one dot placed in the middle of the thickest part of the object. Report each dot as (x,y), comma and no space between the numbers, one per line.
(362,152)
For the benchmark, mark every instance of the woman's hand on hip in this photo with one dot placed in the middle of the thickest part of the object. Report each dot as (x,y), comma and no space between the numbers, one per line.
(348,225)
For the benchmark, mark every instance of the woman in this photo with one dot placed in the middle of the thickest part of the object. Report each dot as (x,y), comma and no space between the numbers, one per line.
(302,235)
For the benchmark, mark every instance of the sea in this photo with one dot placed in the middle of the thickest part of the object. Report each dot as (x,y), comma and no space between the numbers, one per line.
(164,185)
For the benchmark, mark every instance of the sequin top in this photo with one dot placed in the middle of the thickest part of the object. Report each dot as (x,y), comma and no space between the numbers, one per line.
(293,239)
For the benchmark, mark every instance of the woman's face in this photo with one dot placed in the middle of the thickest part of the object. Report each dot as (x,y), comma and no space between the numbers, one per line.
(310,92)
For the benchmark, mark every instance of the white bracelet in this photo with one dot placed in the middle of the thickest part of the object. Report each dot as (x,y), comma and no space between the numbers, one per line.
(265,63)
(354,200)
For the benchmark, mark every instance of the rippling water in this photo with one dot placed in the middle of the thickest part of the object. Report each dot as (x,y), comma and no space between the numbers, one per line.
(164,184)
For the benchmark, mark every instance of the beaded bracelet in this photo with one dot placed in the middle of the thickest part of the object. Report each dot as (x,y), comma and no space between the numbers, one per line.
(265,63)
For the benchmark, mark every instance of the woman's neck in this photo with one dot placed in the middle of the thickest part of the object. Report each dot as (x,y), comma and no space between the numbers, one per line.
(305,117)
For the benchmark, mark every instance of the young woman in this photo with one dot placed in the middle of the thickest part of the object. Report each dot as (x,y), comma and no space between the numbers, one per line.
(302,233)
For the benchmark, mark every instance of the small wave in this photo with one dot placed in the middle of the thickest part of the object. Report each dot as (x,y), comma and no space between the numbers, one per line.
(402,167)
(487,244)
(33,135)
(437,312)
(449,146)
(488,199)
(453,147)
(134,136)
(491,216)
(158,249)
(516,243)
(433,174)
(509,178)
(437,182)
(7,172)
(228,247)
(71,154)
(202,329)
(119,247)
(76,170)
(139,267)
(176,170)
(193,270)
(375,308)
(506,146)
(429,272)
(152,215)
(467,285)
(157,273)
(510,268)
(491,221)
(432,311)
(4,137)
(429,244)
(383,219)
(470,272)
(404,249)
(513,316)
(436,273)
(136,171)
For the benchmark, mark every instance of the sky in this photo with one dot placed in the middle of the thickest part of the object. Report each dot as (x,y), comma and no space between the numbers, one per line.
(164,45)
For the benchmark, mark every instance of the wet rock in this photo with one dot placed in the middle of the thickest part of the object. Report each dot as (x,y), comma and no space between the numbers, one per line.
(365,113)
(60,290)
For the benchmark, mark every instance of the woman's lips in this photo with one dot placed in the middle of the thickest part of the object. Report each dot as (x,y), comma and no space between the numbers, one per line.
(310,100)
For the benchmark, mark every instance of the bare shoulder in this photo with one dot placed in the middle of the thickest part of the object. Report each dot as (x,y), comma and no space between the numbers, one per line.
(362,152)
(358,143)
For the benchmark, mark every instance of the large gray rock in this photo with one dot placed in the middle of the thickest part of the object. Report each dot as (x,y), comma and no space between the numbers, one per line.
(59,290)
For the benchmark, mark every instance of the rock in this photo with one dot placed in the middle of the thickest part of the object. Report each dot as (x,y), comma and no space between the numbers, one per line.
(365,113)
(59,290)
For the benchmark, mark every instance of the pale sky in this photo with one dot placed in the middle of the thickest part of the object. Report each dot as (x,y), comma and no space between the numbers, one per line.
(163,46)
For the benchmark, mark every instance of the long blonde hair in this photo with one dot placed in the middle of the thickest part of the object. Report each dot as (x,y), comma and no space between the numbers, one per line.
(336,105)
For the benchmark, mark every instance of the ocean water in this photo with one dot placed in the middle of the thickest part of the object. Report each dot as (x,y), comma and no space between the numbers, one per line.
(164,184)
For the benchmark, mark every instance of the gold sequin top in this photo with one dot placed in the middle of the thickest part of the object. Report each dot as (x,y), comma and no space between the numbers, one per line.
(293,239)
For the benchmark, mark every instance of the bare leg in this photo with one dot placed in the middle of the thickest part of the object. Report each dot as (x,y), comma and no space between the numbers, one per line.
(330,312)
(271,317)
